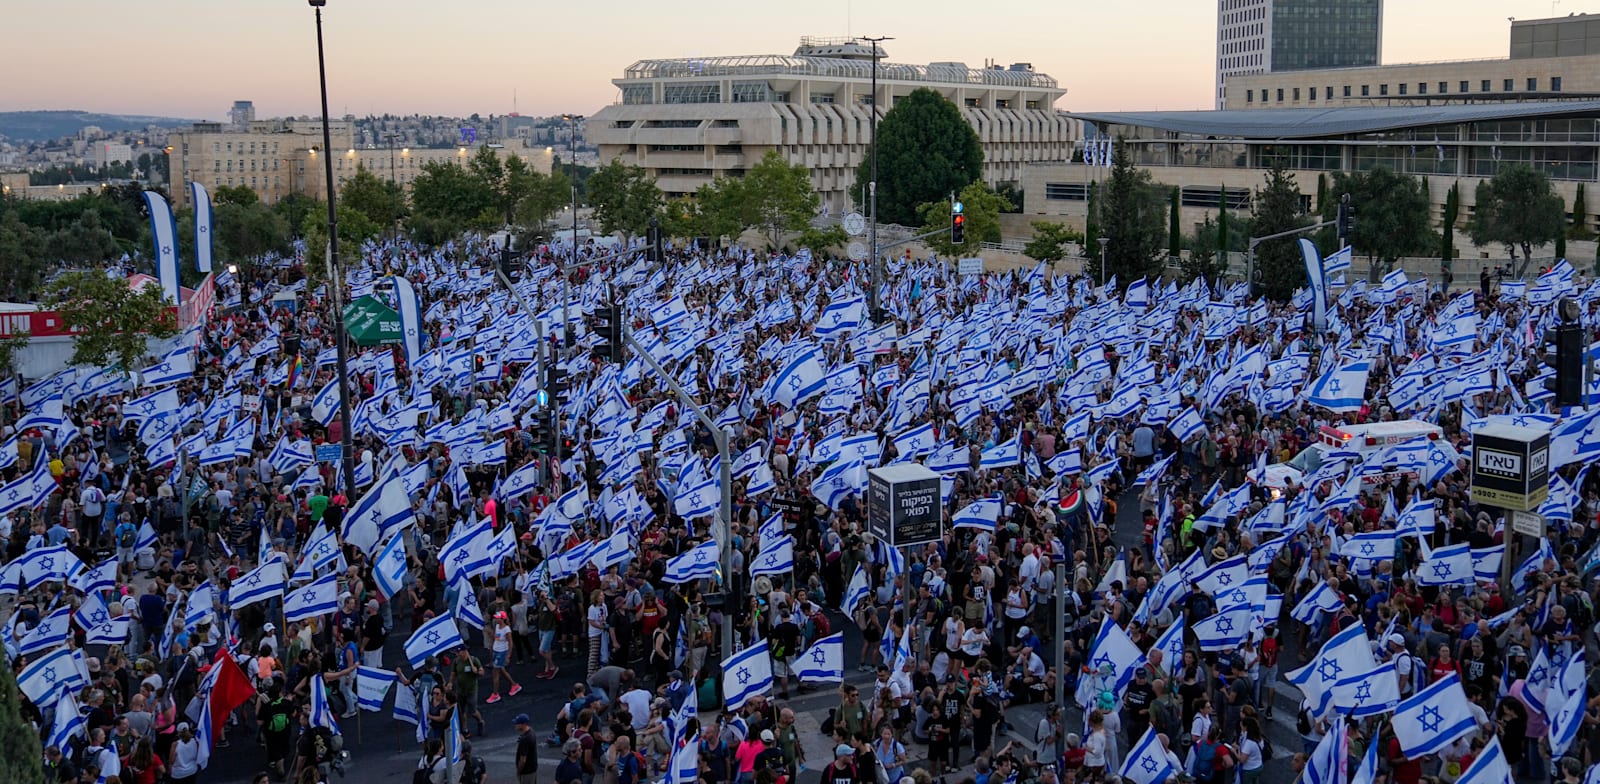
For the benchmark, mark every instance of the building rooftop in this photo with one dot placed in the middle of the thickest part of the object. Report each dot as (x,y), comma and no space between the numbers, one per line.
(1317,123)
(837,59)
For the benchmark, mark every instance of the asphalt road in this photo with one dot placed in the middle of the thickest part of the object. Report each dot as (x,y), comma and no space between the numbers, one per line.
(382,749)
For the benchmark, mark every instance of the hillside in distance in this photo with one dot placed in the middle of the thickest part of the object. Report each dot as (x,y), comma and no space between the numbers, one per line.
(34,126)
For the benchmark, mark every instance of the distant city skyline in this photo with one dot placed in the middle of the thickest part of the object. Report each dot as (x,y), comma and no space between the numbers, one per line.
(183,58)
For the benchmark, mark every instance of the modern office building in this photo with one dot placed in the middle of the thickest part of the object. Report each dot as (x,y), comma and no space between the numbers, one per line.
(1203,152)
(689,121)
(1550,59)
(1276,36)
(278,157)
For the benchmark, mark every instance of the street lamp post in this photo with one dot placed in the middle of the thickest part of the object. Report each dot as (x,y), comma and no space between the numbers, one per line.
(347,447)
(1103,242)
(393,181)
(572,176)
(872,184)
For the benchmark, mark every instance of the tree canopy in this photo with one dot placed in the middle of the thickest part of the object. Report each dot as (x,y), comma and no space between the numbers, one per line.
(1517,208)
(926,151)
(111,323)
(1049,242)
(776,198)
(1133,216)
(623,198)
(982,208)
(1279,266)
(1392,216)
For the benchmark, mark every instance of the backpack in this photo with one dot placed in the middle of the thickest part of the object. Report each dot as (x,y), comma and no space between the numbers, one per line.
(1302,724)
(474,771)
(633,765)
(424,773)
(1205,760)
(280,720)
(127,537)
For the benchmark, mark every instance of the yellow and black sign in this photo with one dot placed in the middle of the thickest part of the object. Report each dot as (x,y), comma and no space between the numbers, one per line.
(1510,467)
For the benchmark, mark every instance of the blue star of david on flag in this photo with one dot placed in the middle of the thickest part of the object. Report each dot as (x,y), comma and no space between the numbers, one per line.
(744,676)
(1431,719)
(1334,385)
(1330,670)
(1441,570)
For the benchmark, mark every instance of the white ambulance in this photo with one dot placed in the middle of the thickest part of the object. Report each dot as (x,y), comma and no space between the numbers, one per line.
(1362,439)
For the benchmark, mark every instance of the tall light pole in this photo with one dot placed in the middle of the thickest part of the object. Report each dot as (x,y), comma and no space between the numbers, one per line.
(572,175)
(335,285)
(872,184)
(393,182)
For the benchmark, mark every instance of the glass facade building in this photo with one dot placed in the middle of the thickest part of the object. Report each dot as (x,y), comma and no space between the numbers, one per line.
(1308,34)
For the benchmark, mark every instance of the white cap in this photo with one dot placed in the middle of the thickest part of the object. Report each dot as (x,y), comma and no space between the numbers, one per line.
(1396,639)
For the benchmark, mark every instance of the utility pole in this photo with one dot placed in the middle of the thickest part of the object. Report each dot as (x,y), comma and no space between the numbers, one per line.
(335,281)
(393,181)
(872,187)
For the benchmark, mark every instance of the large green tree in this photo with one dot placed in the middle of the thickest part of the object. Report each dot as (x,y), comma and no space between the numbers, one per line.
(624,198)
(926,151)
(1580,216)
(821,241)
(380,201)
(778,198)
(447,199)
(1049,242)
(1279,267)
(1519,209)
(22,250)
(111,323)
(982,208)
(1392,216)
(1133,218)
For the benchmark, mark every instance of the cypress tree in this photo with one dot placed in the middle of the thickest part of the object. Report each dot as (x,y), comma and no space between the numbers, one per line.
(19,743)
(1174,232)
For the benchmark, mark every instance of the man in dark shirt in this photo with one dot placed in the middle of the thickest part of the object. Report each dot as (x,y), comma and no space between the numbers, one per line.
(784,642)
(569,770)
(152,612)
(372,639)
(527,751)
(1136,704)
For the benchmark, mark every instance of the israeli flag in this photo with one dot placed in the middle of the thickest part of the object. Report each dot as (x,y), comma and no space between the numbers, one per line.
(200,606)
(325,404)
(775,557)
(1564,703)
(1370,546)
(100,578)
(319,598)
(176,367)
(683,765)
(1328,762)
(433,638)
(372,687)
(201,199)
(69,723)
(823,661)
(164,232)
(1224,630)
(321,711)
(1417,520)
(1320,599)
(858,591)
(801,379)
(1369,693)
(50,675)
(1113,648)
(1338,262)
(1188,425)
(261,583)
(1449,565)
(406,709)
(384,510)
(916,442)
(696,563)
(746,674)
(1003,455)
(841,316)
(410,309)
(1342,389)
(52,631)
(113,631)
(1147,763)
(1345,653)
(1490,766)
(1433,718)
(1170,643)
(467,603)
(1367,773)
(981,514)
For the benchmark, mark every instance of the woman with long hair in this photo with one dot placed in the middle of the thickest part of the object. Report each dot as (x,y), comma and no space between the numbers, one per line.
(141,765)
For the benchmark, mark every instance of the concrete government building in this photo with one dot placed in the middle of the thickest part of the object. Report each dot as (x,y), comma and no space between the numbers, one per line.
(1550,59)
(275,158)
(688,121)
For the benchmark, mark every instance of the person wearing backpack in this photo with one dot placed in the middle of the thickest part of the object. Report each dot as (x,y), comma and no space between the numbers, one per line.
(843,768)
(273,714)
(431,768)
(473,769)
(1202,763)
(127,536)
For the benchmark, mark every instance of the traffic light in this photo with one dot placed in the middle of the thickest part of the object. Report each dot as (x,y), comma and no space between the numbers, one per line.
(958,224)
(506,265)
(1345,223)
(1565,354)
(608,327)
(544,431)
(555,383)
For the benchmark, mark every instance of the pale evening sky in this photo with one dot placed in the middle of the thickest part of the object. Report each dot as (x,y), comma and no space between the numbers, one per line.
(193,58)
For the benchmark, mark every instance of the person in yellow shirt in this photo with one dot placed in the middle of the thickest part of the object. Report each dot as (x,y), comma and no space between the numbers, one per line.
(57,468)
